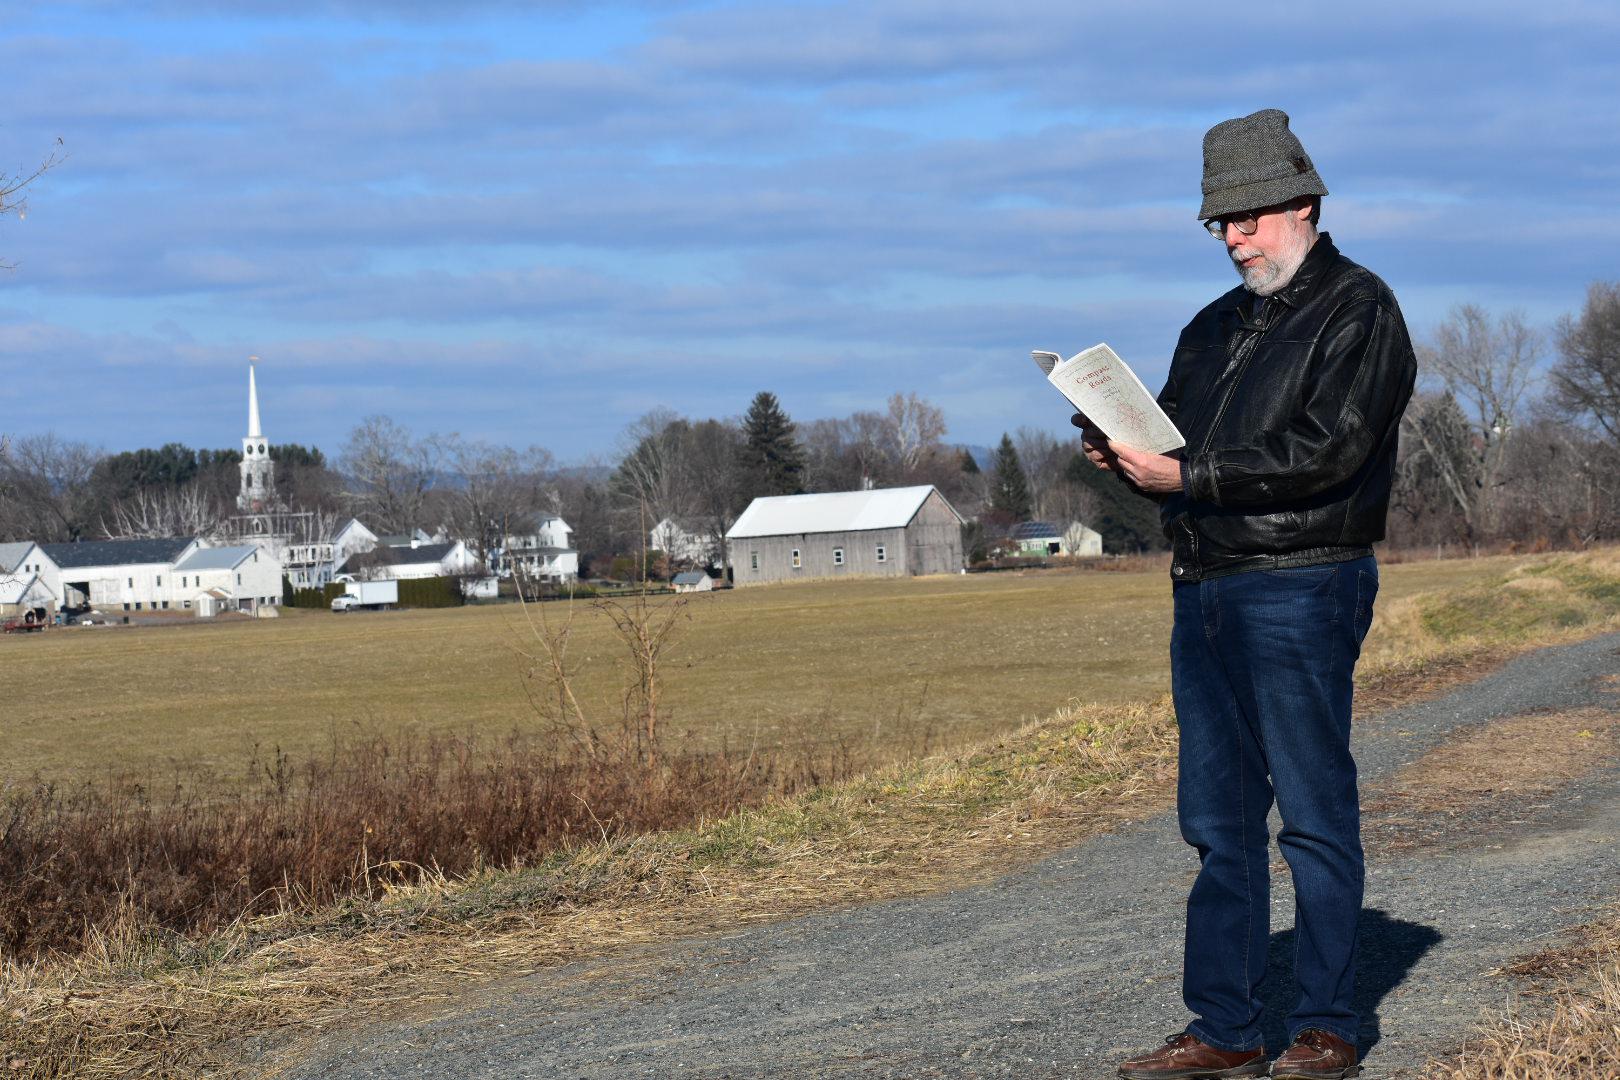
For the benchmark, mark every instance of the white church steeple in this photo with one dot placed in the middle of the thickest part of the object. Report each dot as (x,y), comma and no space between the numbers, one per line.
(258,471)
(253,402)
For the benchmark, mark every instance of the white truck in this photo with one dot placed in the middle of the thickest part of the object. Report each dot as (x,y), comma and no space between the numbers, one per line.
(367,595)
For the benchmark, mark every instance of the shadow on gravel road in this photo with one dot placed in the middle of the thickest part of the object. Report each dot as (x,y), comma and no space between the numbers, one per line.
(1389,947)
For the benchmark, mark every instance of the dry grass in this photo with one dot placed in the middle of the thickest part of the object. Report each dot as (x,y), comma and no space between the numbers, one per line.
(146,1004)
(1520,757)
(1567,1026)
(138,1002)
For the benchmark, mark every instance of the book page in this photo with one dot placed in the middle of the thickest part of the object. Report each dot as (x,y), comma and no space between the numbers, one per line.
(1101,385)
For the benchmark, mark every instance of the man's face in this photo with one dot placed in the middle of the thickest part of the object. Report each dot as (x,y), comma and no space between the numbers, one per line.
(1268,259)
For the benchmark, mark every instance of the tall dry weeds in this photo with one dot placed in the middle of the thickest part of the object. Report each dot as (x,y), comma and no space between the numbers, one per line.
(378,812)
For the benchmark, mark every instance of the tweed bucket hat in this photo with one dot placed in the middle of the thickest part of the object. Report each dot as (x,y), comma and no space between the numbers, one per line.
(1255,161)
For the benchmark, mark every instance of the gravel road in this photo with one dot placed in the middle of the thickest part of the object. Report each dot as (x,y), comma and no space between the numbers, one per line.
(1059,970)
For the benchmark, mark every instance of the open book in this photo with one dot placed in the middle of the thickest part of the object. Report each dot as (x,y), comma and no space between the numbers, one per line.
(1101,385)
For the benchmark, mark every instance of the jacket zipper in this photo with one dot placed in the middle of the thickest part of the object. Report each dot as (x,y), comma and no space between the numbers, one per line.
(1246,351)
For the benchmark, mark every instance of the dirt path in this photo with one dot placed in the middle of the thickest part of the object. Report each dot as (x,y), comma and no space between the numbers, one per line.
(1061,969)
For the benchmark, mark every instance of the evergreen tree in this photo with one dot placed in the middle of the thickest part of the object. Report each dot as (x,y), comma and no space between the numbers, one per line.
(771,456)
(966,463)
(1009,487)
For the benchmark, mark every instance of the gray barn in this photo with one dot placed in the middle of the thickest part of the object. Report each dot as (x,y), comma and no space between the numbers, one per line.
(888,532)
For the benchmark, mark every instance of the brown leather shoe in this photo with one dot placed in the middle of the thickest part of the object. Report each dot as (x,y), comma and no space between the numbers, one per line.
(1186,1057)
(1316,1055)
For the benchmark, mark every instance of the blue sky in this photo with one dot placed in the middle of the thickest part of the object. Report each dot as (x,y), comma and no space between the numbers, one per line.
(532,222)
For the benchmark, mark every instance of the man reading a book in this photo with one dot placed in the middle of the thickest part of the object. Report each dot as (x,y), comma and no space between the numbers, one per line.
(1289,391)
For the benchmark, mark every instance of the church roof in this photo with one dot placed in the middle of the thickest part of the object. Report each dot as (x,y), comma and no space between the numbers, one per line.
(217,558)
(117,552)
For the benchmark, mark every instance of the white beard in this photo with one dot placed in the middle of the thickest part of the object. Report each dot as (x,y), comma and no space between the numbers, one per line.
(1274,272)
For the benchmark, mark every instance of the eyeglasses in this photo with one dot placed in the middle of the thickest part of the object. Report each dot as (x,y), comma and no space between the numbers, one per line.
(1246,223)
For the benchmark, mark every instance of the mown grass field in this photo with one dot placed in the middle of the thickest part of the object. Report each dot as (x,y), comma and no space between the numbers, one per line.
(893,664)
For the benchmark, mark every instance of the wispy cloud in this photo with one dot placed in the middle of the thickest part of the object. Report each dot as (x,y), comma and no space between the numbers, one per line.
(476,221)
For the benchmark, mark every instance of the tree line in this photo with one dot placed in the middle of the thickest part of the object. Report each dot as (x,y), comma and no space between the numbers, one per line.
(1513,437)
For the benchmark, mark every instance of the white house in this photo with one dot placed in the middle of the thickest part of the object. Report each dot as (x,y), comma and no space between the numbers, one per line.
(684,543)
(450,559)
(243,577)
(26,561)
(120,575)
(540,550)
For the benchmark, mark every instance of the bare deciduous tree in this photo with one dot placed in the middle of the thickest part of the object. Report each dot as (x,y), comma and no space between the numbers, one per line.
(45,489)
(915,430)
(12,200)
(1488,366)
(496,490)
(390,471)
(155,513)
(1586,378)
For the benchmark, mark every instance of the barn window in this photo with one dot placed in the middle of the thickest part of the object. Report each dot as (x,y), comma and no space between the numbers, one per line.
(882,554)
(753,560)
(160,581)
(797,562)
(187,603)
(838,556)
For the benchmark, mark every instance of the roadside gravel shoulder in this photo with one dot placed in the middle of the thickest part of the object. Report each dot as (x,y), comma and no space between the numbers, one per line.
(1060,969)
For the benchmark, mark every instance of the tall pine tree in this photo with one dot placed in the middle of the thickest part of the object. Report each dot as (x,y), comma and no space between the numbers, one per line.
(771,455)
(1009,487)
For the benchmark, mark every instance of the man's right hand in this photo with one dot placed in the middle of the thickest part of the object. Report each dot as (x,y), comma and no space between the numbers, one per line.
(1095,444)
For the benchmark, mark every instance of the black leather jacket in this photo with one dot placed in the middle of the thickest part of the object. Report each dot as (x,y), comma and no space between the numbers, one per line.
(1290,406)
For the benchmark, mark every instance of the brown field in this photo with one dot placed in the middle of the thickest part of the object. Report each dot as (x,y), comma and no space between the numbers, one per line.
(907,663)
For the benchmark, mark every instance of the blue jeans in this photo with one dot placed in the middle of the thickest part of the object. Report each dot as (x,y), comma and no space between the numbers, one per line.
(1261,666)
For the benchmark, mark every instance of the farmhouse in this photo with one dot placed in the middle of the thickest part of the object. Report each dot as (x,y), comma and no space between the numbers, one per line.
(889,532)
(25,571)
(410,560)
(684,543)
(244,578)
(537,549)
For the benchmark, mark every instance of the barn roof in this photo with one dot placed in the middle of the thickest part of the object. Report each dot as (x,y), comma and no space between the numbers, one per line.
(219,558)
(116,552)
(11,555)
(833,511)
(689,577)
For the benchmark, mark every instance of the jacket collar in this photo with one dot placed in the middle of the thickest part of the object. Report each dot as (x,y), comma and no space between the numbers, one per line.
(1322,255)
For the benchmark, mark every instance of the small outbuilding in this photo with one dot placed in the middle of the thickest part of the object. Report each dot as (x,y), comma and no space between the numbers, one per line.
(693,581)
(883,532)
(1043,538)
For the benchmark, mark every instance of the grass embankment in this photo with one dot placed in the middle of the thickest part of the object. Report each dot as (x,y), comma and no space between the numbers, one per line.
(139,1002)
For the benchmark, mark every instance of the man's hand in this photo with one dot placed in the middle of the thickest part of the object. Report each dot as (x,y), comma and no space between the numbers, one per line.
(1095,444)
(1156,474)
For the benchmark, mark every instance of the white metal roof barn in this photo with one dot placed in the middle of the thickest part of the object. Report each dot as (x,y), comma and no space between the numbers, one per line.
(885,532)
